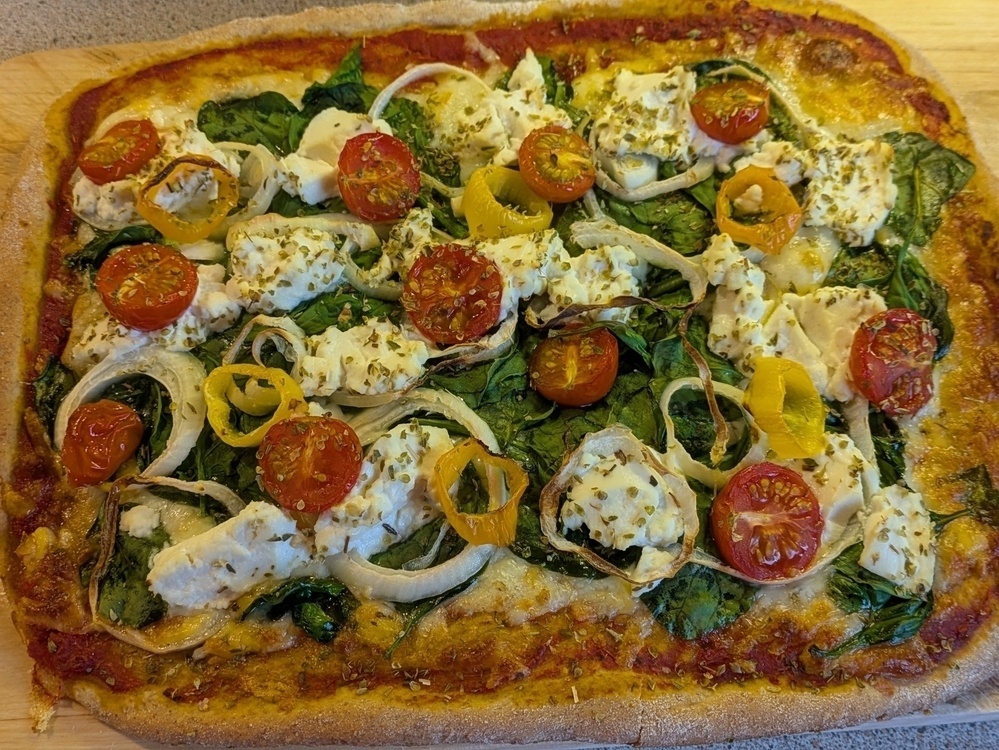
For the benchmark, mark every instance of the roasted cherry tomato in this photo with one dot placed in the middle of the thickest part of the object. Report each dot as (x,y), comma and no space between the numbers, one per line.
(148,286)
(125,149)
(453,294)
(766,522)
(309,463)
(379,178)
(733,111)
(100,437)
(891,361)
(557,164)
(577,369)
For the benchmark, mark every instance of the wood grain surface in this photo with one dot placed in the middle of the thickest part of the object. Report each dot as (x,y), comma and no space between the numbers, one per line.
(960,38)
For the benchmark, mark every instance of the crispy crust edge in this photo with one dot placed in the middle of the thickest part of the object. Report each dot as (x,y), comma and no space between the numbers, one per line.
(752,709)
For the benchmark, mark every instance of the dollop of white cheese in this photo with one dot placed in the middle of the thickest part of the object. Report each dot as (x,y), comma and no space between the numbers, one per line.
(841,479)
(372,358)
(139,521)
(648,113)
(277,269)
(804,262)
(595,277)
(390,500)
(212,310)
(898,539)
(850,187)
(212,569)
(525,262)
(815,329)
(408,238)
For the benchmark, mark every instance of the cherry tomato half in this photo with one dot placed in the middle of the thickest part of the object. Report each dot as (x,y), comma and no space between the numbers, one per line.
(148,286)
(379,178)
(557,164)
(100,437)
(125,149)
(733,111)
(577,369)
(309,463)
(453,294)
(891,361)
(766,522)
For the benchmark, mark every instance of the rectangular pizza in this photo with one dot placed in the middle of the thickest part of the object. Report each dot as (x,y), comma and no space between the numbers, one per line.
(461,372)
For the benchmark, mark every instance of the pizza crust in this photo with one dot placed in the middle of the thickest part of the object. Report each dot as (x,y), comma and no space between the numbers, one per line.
(637,714)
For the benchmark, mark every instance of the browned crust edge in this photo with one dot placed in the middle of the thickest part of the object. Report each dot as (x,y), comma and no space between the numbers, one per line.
(731,711)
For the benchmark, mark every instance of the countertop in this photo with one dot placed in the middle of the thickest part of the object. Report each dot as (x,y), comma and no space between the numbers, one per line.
(959,37)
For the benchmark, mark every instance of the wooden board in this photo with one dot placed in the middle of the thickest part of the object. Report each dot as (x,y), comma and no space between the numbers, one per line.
(959,37)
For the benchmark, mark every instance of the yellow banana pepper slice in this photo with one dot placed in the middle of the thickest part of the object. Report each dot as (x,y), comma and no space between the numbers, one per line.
(283,399)
(755,207)
(496,526)
(498,203)
(188,198)
(787,406)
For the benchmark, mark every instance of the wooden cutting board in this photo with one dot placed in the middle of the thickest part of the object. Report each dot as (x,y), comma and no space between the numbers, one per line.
(959,37)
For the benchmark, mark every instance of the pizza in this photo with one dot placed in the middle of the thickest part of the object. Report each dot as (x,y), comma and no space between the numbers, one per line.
(466,374)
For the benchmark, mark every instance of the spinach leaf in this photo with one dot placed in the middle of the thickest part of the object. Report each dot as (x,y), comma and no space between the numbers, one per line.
(151,401)
(91,256)
(671,361)
(212,459)
(124,596)
(440,209)
(695,427)
(927,176)
(531,546)
(558,91)
(345,309)
(981,499)
(913,288)
(889,447)
(669,290)
(569,215)
(675,219)
(321,607)
(344,89)
(698,601)
(890,615)
(706,192)
(900,278)
(263,119)
(51,388)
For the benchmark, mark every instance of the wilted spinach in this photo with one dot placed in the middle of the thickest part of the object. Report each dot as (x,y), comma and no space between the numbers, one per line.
(123,595)
(675,219)
(51,388)
(927,176)
(321,607)
(981,498)
(889,447)
(263,120)
(151,401)
(213,459)
(890,615)
(344,308)
(698,601)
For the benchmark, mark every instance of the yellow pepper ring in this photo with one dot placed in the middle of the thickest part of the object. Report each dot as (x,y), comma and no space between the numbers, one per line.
(497,525)
(787,406)
(221,382)
(487,201)
(776,218)
(195,174)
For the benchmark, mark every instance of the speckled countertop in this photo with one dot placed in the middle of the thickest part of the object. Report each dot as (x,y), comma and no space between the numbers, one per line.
(31,25)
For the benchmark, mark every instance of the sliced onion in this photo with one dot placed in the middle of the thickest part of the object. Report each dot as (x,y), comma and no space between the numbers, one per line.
(371,424)
(379,287)
(179,372)
(856,414)
(369,581)
(592,205)
(177,632)
(263,181)
(602,231)
(678,456)
(439,187)
(701,171)
(416,73)
(495,345)
(282,328)
(229,499)
(608,442)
